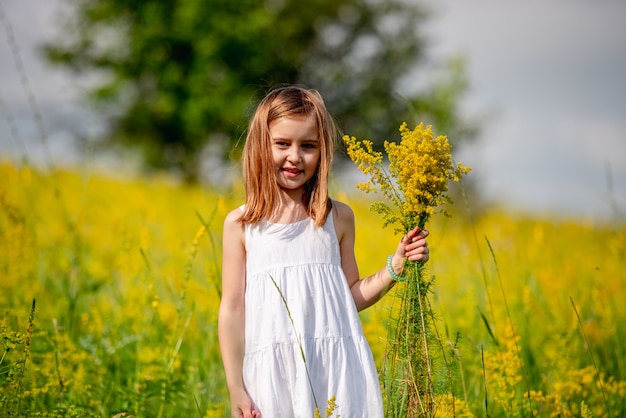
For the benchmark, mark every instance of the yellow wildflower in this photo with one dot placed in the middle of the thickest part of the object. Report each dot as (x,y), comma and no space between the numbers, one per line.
(585,412)
(330,409)
(420,167)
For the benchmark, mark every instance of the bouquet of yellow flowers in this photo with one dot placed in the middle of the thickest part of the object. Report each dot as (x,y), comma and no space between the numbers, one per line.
(415,184)
(416,181)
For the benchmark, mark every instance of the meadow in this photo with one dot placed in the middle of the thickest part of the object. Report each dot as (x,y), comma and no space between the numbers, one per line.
(109,289)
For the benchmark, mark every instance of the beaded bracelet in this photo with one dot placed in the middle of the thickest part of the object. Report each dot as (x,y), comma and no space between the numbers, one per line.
(393,273)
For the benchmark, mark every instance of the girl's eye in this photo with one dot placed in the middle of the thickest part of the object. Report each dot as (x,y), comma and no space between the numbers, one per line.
(308,146)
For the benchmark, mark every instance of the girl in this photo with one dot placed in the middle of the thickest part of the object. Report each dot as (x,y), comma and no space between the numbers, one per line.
(289,329)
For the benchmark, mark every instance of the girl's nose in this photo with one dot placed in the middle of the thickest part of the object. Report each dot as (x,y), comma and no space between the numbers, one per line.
(294,155)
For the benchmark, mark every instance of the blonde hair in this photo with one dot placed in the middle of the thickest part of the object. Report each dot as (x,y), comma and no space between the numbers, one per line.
(262,191)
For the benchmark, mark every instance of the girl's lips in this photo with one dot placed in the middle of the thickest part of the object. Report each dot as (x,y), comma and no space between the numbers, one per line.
(291,171)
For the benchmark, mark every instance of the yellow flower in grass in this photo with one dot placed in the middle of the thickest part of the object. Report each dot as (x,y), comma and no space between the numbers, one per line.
(416,181)
(447,405)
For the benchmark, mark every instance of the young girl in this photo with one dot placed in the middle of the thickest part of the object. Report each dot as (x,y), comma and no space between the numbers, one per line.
(289,329)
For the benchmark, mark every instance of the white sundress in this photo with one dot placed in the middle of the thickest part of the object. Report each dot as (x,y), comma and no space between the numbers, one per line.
(317,322)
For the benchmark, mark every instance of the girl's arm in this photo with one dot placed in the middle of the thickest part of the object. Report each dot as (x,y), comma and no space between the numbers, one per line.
(369,290)
(232,314)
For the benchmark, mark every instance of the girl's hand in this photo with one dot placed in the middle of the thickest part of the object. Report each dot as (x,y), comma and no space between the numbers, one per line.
(413,246)
(242,407)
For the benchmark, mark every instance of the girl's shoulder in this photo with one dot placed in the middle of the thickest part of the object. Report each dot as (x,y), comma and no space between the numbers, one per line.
(234,215)
(343,216)
(341,209)
(232,221)
(233,228)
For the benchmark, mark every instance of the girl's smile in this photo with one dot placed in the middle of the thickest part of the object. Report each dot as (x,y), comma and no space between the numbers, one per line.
(295,151)
(291,172)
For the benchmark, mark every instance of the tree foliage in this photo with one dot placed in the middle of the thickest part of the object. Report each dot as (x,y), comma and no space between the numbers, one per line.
(179,74)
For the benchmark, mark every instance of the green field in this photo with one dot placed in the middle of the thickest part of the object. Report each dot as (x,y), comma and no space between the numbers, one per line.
(109,289)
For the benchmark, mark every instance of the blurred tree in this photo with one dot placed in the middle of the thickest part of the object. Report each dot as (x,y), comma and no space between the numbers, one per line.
(180,74)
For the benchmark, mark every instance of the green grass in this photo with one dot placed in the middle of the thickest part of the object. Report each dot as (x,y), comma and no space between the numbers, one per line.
(125,274)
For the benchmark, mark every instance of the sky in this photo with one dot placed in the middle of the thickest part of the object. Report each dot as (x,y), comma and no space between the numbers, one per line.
(551,75)
(548,76)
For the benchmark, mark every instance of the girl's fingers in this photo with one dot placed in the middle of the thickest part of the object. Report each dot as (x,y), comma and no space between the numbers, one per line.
(416,235)
(423,249)
(417,245)
(413,233)
(414,246)
(417,248)
(421,254)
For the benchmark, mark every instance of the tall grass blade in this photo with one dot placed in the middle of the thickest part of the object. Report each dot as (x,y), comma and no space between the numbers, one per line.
(513,330)
(483,269)
(22,370)
(489,330)
(57,356)
(593,360)
(14,132)
(293,325)
(482,358)
(30,97)
(217,274)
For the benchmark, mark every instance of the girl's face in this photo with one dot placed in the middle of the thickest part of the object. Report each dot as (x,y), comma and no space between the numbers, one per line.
(295,151)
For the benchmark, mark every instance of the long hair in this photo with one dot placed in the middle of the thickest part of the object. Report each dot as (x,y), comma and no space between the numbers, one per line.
(262,191)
